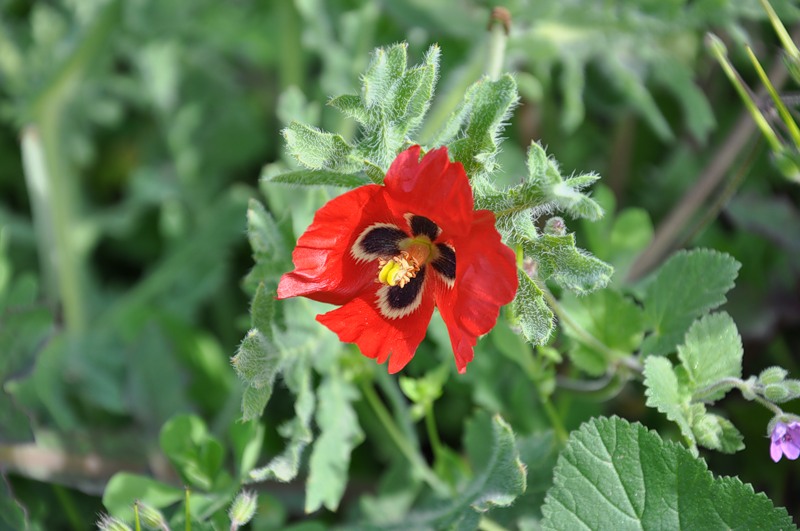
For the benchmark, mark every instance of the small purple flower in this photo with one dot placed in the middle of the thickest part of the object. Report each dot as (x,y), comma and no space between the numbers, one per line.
(785,441)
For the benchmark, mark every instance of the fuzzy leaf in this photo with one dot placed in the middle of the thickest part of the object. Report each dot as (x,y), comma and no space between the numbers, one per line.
(340,433)
(472,133)
(717,433)
(689,284)
(617,476)
(318,150)
(572,268)
(530,311)
(712,350)
(316,178)
(665,394)
(256,362)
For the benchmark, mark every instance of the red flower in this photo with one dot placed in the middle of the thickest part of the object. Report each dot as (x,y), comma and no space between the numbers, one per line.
(389,254)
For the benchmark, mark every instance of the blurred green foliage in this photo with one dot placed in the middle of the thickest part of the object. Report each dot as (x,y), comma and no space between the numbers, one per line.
(132,135)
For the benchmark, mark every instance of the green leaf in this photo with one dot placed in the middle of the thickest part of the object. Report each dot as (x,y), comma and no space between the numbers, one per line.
(717,433)
(340,433)
(563,263)
(711,351)
(247,439)
(665,394)
(256,362)
(617,475)
(473,132)
(689,284)
(315,178)
(613,319)
(297,431)
(125,488)
(196,454)
(270,246)
(530,311)
(262,311)
(318,150)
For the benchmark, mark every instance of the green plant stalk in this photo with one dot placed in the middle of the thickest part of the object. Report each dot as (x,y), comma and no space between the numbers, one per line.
(70,511)
(49,177)
(497,50)
(136,524)
(742,386)
(487,524)
(414,458)
(433,432)
(782,110)
(188,511)
(555,419)
(780,29)
(720,53)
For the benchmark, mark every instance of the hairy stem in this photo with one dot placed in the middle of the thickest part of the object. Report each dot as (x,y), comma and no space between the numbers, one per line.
(414,458)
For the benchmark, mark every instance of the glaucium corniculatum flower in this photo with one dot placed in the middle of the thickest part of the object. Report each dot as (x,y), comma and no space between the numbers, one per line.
(388,254)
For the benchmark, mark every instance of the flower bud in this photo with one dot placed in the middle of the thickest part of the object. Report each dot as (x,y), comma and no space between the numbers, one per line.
(242,509)
(555,226)
(776,393)
(151,517)
(793,386)
(109,523)
(772,375)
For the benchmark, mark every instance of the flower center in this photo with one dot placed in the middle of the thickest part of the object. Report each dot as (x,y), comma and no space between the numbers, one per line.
(401,268)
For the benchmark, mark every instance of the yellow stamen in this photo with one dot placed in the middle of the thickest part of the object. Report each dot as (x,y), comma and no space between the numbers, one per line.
(399,270)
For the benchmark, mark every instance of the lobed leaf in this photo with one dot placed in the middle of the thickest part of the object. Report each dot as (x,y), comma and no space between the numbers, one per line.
(339,434)
(689,284)
(319,150)
(666,395)
(572,268)
(617,476)
(711,350)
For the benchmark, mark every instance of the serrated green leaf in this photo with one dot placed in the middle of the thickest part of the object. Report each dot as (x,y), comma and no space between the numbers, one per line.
(615,475)
(665,394)
(689,284)
(711,351)
(530,311)
(717,433)
(616,321)
(297,431)
(256,362)
(318,150)
(339,434)
(473,132)
(316,178)
(572,268)
(262,311)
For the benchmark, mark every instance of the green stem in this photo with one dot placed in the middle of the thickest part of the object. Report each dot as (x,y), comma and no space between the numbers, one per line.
(555,419)
(743,387)
(498,37)
(433,432)
(136,524)
(414,458)
(586,337)
(188,511)
(70,511)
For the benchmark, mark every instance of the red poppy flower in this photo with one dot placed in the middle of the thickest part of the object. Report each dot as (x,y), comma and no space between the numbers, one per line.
(389,254)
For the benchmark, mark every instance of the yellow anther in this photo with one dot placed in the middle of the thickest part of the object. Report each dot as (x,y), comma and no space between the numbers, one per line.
(398,271)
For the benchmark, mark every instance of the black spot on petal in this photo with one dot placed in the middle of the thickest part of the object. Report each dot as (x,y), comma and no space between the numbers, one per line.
(420,225)
(399,298)
(380,241)
(445,264)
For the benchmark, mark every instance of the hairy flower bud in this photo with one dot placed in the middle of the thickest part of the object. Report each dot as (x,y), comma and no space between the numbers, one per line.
(109,523)
(242,509)
(151,517)
(776,393)
(772,375)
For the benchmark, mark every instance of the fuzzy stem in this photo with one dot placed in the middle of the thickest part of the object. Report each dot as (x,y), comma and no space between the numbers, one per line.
(416,460)
(498,37)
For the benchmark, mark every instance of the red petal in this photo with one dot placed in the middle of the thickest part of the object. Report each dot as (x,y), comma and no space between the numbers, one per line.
(360,322)
(325,270)
(486,279)
(433,187)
